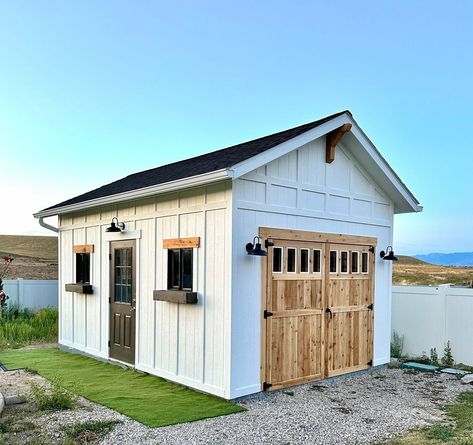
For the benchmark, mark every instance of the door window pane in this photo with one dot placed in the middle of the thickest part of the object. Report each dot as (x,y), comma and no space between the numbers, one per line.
(354,262)
(364,262)
(291,260)
(277,259)
(317,261)
(333,261)
(343,262)
(123,275)
(304,260)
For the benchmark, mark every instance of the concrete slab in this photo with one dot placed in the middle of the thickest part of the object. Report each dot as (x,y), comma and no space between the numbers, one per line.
(454,371)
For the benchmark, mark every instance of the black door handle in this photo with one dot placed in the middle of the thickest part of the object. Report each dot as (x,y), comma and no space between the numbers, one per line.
(329,311)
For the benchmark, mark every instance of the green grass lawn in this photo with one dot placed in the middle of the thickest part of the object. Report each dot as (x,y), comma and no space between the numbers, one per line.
(150,400)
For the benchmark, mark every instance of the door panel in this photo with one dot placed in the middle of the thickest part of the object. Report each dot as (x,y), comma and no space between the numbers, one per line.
(295,328)
(122,301)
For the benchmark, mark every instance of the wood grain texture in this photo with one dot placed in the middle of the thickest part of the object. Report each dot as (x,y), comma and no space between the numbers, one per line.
(84,248)
(181,243)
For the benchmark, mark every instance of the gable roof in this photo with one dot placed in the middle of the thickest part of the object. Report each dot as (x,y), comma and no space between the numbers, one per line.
(203,166)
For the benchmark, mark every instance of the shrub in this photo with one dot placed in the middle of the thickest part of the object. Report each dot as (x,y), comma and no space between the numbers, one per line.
(89,432)
(434,358)
(447,359)
(397,345)
(54,398)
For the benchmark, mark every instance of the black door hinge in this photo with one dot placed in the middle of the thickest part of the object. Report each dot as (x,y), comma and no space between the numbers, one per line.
(110,257)
(266,386)
(371,249)
(267,314)
(370,306)
(370,363)
(109,343)
(109,299)
(268,243)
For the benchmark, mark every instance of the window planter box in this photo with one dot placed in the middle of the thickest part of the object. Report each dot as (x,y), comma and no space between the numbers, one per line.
(79,288)
(175,296)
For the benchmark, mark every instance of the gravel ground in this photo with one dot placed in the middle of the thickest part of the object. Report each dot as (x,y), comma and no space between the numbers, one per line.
(357,410)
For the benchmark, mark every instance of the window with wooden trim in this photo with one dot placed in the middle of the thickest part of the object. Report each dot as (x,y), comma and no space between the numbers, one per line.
(277,259)
(355,262)
(364,262)
(333,261)
(180,269)
(291,260)
(304,260)
(82,268)
(317,261)
(344,261)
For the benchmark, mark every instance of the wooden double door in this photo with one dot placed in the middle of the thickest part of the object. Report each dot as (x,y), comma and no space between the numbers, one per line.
(318,320)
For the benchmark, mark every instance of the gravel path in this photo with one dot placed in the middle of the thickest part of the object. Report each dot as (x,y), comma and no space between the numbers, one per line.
(356,410)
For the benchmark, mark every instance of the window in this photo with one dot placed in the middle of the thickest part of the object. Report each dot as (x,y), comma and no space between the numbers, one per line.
(317,261)
(180,269)
(123,275)
(304,260)
(364,262)
(82,268)
(277,259)
(291,260)
(354,262)
(333,261)
(344,262)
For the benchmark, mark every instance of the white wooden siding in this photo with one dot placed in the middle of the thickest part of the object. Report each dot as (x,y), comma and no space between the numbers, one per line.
(185,343)
(300,191)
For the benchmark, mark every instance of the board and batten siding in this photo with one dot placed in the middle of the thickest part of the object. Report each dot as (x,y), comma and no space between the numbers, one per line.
(189,344)
(301,191)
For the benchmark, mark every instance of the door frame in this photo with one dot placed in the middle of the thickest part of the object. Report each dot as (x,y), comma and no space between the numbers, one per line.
(266,233)
(108,238)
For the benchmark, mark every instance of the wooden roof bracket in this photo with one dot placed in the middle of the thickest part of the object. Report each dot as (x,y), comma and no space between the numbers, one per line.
(332,139)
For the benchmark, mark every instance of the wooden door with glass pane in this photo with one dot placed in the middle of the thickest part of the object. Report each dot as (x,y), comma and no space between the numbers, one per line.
(122,301)
(349,276)
(294,316)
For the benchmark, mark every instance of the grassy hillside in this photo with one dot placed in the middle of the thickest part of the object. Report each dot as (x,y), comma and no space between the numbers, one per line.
(409,270)
(44,247)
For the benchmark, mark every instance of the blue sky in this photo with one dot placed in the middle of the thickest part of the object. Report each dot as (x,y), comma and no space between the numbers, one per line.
(92,91)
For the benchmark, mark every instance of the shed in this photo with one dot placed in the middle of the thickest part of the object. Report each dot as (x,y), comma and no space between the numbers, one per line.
(155,271)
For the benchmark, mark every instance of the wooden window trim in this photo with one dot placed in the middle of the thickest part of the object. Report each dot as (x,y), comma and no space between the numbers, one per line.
(182,243)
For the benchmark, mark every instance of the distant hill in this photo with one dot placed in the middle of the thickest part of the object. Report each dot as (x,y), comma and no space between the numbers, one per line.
(404,259)
(458,259)
(44,247)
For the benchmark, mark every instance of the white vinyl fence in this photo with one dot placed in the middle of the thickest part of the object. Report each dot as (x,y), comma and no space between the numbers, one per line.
(32,294)
(429,316)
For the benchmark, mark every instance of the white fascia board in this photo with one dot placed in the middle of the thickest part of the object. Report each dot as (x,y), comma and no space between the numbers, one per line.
(242,168)
(171,186)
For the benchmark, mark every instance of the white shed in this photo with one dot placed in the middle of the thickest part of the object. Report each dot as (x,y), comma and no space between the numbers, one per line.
(170,289)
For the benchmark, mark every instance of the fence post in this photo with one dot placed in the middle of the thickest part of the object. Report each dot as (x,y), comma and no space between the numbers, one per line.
(21,290)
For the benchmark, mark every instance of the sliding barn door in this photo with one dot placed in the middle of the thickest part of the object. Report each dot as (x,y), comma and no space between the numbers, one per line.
(295,315)
(349,308)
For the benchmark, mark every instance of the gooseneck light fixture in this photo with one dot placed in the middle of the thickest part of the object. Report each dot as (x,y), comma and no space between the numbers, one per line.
(115,226)
(254,248)
(388,255)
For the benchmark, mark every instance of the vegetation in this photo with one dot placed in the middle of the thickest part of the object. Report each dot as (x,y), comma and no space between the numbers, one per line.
(412,271)
(447,359)
(459,432)
(434,358)
(150,400)
(54,398)
(29,246)
(397,345)
(20,327)
(88,432)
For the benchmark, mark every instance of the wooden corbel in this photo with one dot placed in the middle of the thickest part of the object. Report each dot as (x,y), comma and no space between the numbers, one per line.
(332,139)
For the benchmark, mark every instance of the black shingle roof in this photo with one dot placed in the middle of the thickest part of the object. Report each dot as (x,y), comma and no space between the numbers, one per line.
(205,163)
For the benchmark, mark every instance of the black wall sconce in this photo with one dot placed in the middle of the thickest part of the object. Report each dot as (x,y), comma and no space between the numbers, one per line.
(388,255)
(115,226)
(254,248)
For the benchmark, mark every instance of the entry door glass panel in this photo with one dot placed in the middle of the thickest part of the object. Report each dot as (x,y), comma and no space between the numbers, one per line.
(123,280)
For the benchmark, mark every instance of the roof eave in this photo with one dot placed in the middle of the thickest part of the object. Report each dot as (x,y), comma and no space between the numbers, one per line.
(190,182)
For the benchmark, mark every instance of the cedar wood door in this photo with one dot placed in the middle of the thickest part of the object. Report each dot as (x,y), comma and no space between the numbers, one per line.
(318,323)
(122,301)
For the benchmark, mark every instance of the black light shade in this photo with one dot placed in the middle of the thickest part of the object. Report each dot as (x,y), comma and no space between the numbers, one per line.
(115,227)
(254,248)
(388,255)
